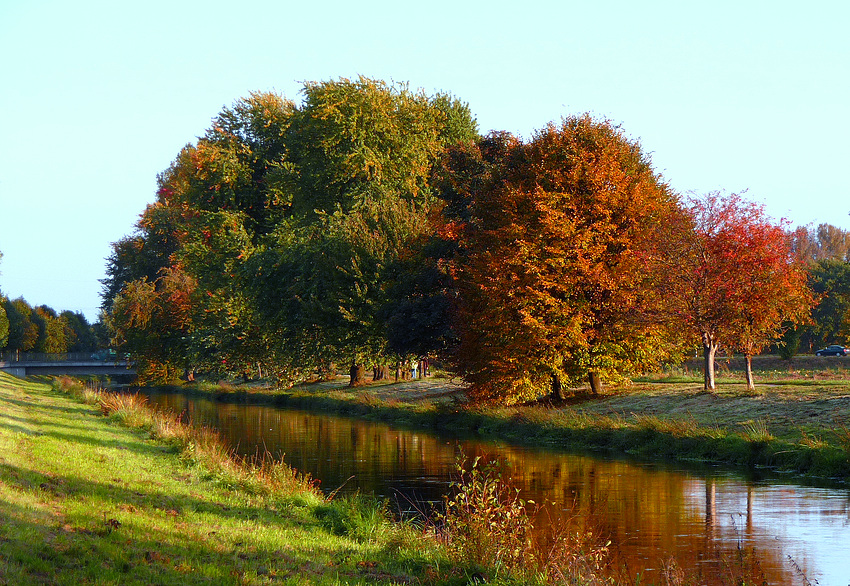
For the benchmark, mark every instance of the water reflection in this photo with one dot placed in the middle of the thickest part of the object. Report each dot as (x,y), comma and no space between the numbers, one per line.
(650,514)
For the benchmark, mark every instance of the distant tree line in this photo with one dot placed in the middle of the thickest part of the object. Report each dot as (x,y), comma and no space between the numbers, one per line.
(370,225)
(24,328)
(825,250)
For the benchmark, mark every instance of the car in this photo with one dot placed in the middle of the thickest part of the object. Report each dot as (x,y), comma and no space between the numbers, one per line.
(833,350)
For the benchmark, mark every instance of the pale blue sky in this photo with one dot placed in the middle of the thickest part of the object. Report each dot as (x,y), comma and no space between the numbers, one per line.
(99,96)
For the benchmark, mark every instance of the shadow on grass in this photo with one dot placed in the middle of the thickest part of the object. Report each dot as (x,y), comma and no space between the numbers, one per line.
(112,547)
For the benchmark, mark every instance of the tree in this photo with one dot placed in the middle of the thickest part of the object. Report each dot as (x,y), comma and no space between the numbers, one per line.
(826,242)
(51,331)
(553,243)
(4,320)
(23,332)
(4,323)
(285,220)
(829,280)
(79,334)
(363,151)
(151,319)
(733,279)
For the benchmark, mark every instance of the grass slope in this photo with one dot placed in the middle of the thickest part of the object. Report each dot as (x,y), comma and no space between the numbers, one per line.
(86,500)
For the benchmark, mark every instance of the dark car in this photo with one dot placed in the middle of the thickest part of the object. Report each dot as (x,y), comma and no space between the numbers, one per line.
(834,350)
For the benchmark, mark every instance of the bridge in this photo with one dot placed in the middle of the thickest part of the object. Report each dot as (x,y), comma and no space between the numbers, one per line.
(22,364)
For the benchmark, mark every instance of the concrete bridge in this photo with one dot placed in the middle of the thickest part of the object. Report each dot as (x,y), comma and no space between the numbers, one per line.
(22,364)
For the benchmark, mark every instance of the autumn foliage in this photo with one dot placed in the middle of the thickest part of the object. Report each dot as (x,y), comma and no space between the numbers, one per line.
(732,278)
(371,226)
(553,247)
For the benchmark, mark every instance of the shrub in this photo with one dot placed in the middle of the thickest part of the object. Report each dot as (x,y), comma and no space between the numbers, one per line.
(488,525)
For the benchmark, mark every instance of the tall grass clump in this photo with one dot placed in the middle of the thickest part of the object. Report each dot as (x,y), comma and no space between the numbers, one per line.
(487,525)
(198,446)
(87,392)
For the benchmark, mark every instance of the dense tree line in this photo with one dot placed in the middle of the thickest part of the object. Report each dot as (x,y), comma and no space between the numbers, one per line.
(24,328)
(825,250)
(371,224)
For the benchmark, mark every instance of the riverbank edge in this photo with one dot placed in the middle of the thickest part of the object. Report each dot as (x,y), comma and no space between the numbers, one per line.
(385,553)
(649,439)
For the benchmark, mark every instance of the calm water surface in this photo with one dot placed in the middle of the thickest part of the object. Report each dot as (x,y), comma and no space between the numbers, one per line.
(649,513)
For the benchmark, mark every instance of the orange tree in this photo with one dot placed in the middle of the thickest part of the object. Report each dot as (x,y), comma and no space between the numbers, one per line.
(553,248)
(732,278)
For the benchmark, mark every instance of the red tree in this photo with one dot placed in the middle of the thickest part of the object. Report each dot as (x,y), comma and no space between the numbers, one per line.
(732,278)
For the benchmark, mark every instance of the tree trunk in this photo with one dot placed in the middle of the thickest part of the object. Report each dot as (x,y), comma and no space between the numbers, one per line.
(381,372)
(358,375)
(595,382)
(750,384)
(709,349)
(557,389)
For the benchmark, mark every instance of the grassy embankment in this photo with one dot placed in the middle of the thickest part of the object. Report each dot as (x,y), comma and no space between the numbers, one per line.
(96,488)
(137,498)
(796,421)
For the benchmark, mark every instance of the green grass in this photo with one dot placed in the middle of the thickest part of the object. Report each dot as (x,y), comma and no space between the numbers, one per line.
(85,499)
(98,488)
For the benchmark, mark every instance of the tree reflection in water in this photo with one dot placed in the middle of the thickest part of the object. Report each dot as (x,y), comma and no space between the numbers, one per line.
(650,513)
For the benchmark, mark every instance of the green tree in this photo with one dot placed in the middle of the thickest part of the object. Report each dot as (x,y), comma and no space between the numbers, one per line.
(830,282)
(23,332)
(239,165)
(79,333)
(4,323)
(357,140)
(52,337)
(4,320)
(265,216)
(363,151)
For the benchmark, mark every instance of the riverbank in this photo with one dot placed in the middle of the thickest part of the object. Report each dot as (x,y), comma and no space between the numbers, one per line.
(796,422)
(98,488)
(124,498)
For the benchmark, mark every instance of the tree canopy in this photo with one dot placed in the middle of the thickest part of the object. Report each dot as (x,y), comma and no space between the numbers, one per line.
(370,224)
(552,243)
(732,278)
(283,221)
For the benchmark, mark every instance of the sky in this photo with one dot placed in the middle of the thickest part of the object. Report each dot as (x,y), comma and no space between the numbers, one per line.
(98,97)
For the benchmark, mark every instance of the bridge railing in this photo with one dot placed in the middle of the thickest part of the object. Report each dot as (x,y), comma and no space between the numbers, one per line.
(14,357)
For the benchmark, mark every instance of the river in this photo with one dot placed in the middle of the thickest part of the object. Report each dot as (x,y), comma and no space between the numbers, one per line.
(650,513)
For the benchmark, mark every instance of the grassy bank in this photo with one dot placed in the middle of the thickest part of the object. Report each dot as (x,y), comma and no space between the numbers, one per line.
(134,498)
(797,421)
(97,488)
